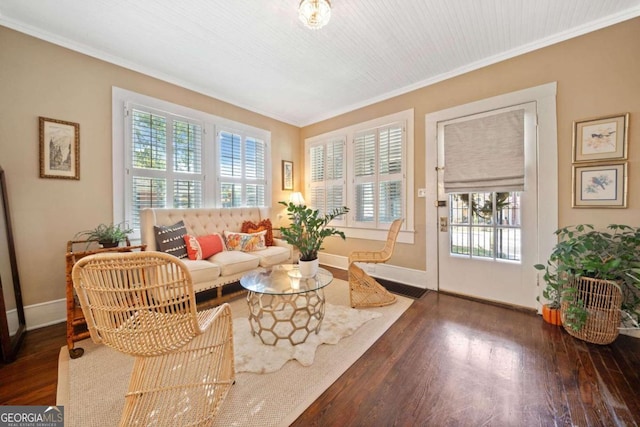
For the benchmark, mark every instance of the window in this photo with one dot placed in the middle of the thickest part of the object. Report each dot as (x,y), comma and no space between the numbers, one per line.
(327,186)
(378,175)
(365,168)
(166,155)
(242,175)
(486,225)
(166,162)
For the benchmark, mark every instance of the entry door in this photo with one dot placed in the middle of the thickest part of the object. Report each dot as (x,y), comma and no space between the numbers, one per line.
(487,241)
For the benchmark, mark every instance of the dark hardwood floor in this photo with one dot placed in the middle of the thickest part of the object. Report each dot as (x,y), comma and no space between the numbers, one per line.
(447,361)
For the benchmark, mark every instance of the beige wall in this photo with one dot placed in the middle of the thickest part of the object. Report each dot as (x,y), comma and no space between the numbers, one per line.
(597,75)
(41,79)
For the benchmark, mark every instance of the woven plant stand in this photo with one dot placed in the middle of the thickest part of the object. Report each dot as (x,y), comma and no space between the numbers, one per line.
(602,300)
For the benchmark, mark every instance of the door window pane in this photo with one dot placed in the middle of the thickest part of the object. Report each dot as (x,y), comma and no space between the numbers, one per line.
(485,225)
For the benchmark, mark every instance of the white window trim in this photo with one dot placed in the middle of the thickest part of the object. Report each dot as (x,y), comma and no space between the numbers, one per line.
(122,99)
(407,234)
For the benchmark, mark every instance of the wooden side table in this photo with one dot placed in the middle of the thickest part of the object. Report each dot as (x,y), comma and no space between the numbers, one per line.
(76,323)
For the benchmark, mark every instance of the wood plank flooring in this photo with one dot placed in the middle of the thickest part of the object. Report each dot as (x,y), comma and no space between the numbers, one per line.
(447,361)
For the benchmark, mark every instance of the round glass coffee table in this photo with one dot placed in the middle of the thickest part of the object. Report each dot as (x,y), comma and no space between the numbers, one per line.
(283,305)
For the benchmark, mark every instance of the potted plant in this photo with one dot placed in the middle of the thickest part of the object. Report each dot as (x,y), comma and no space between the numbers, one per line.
(108,235)
(307,231)
(552,296)
(596,275)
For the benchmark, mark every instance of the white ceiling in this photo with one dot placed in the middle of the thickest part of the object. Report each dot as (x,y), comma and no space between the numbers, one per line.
(257,54)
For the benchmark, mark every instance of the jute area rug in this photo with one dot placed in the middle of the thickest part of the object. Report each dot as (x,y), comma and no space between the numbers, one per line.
(92,387)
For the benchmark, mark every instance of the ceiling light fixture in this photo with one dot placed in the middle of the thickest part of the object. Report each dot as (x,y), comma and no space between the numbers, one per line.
(314,13)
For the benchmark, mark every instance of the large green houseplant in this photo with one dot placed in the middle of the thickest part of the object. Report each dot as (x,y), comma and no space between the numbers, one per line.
(582,251)
(309,228)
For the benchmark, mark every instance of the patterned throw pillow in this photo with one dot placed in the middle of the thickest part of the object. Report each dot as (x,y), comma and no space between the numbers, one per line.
(170,239)
(245,242)
(264,225)
(203,247)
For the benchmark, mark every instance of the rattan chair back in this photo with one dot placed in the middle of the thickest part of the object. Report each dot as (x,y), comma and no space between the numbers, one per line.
(140,303)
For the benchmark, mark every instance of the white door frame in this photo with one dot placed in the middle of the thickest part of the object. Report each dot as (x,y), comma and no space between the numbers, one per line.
(547,167)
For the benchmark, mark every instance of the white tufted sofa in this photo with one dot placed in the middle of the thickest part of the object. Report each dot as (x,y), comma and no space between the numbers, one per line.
(224,267)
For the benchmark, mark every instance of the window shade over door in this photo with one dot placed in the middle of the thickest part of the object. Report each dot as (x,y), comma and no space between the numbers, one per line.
(485,154)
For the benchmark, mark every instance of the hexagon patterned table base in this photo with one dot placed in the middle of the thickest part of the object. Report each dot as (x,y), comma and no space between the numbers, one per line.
(279,317)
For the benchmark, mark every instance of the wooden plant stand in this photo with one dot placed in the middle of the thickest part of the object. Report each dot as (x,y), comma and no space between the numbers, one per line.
(76,323)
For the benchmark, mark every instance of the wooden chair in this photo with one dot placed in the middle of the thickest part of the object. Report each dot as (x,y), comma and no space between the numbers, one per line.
(143,304)
(364,290)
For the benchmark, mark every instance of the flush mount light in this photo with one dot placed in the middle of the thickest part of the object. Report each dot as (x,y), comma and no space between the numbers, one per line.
(314,14)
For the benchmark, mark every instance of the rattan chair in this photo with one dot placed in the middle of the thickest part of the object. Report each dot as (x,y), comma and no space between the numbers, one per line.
(143,304)
(364,290)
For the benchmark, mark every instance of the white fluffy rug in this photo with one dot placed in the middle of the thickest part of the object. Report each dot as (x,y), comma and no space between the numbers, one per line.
(253,356)
(92,387)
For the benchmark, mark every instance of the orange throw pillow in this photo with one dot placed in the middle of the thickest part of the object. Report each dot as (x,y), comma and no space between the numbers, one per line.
(203,247)
(265,224)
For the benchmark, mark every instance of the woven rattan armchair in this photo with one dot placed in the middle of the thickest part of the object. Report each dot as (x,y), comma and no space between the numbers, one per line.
(364,290)
(143,304)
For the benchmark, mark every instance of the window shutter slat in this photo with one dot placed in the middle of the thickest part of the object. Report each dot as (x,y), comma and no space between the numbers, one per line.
(187,147)
(149,141)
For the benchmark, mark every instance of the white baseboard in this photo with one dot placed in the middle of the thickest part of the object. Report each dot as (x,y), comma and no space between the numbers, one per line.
(46,313)
(407,276)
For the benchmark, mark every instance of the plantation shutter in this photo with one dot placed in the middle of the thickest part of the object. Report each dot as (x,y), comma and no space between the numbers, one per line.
(242,170)
(187,159)
(365,174)
(166,162)
(254,175)
(390,174)
(485,154)
(379,174)
(327,186)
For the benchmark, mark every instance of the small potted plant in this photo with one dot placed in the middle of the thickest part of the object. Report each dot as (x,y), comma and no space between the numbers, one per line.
(107,235)
(596,274)
(552,295)
(307,231)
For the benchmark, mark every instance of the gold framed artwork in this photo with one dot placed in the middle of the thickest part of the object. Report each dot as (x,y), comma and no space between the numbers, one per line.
(598,139)
(600,186)
(287,175)
(59,149)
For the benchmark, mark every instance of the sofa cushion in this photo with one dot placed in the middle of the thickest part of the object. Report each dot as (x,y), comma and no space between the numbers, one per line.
(245,242)
(232,262)
(202,270)
(264,225)
(170,239)
(273,255)
(203,247)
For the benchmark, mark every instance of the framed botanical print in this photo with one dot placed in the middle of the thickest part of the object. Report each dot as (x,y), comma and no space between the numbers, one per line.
(287,175)
(598,139)
(600,186)
(59,149)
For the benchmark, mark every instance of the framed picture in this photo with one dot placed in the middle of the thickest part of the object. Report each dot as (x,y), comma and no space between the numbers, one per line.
(59,149)
(599,139)
(287,175)
(600,186)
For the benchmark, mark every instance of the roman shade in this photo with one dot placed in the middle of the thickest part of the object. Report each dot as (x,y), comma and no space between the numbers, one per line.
(485,154)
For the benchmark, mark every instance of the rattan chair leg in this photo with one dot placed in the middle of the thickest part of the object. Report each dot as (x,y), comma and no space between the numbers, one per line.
(365,291)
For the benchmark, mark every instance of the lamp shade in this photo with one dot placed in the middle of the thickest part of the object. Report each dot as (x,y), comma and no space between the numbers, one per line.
(314,13)
(296,198)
